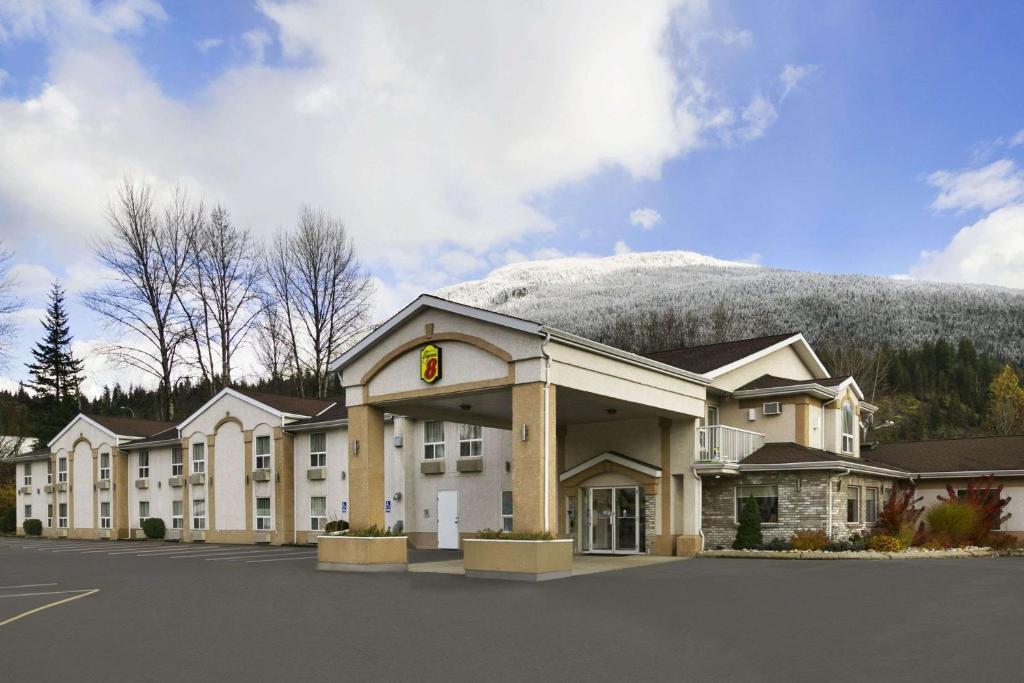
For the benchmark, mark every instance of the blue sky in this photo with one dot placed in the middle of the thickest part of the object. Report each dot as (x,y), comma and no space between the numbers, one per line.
(453,138)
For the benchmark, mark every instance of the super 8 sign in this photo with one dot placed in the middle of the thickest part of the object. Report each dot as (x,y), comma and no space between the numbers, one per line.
(430,363)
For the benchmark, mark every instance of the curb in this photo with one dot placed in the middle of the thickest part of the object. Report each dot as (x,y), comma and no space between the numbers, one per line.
(853,554)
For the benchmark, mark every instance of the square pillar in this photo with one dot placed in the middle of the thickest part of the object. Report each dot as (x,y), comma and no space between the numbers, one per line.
(366,466)
(665,542)
(534,466)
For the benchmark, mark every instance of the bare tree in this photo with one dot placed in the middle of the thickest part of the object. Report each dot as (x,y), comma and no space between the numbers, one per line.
(323,290)
(272,344)
(149,252)
(9,305)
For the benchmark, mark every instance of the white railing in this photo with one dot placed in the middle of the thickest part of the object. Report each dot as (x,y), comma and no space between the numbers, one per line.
(727,444)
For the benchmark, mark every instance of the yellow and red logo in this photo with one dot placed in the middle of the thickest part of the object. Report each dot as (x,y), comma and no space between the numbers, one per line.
(430,363)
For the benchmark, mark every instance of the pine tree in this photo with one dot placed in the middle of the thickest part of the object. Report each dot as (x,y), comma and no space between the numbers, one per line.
(748,534)
(56,373)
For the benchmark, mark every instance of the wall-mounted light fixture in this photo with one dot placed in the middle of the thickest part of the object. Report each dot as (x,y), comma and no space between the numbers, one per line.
(465,406)
(612,411)
(355,447)
(525,433)
(397,497)
(508,466)
(398,441)
(343,475)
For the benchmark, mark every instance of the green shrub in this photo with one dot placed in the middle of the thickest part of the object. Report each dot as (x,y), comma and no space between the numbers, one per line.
(884,543)
(809,539)
(8,521)
(748,534)
(335,525)
(32,527)
(1001,541)
(154,528)
(372,532)
(953,520)
(777,544)
(492,535)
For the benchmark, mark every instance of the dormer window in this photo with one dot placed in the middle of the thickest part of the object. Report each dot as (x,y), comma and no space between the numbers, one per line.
(847,428)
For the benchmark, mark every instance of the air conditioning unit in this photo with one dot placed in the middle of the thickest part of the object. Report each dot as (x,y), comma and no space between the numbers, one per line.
(772,408)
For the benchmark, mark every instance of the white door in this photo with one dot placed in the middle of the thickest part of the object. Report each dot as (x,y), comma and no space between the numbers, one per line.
(448,520)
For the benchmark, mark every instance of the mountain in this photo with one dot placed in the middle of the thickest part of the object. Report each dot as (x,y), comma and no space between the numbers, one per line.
(646,301)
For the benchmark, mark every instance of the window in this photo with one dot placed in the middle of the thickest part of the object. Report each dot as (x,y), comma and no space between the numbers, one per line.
(62,470)
(852,504)
(28,474)
(847,428)
(433,440)
(506,511)
(143,464)
(105,514)
(49,515)
(49,471)
(143,511)
(199,513)
(317,513)
(198,458)
(263,452)
(767,498)
(176,464)
(871,505)
(318,450)
(28,512)
(263,514)
(104,466)
(62,515)
(178,514)
(471,441)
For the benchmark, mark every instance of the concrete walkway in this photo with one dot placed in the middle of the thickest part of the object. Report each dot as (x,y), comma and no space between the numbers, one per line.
(581,564)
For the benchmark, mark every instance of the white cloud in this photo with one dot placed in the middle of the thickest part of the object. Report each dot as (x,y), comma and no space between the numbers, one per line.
(645,218)
(257,41)
(754,258)
(990,251)
(207,44)
(758,117)
(1017,139)
(985,188)
(791,76)
(31,280)
(621,248)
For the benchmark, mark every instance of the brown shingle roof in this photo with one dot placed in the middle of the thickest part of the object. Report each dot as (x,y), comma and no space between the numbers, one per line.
(773,382)
(130,426)
(710,357)
(165,435)
(336,412)
(288,404)
(977,454)
(792,453)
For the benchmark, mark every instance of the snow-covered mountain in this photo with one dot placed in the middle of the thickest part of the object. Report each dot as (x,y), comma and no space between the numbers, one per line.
(660,299)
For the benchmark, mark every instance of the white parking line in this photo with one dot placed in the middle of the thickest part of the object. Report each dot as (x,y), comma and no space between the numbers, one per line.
(26,595)
(242,555)
(27,585)
(83,594)
(169,551)
(230,551)
(303,556)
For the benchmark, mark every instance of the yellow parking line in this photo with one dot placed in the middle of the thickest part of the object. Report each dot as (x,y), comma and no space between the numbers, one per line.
(52,604)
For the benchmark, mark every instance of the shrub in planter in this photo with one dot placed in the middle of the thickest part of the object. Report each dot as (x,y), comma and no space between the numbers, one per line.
(336,525)
(809,539)
(372,532)
(998,541)
(987,500)
(838,547)
(777,544)
(8,521)
(885,543)
(492,535)
(748,534)
(938,542)
(32,527)
(954,520)
(901,517)
(154,528)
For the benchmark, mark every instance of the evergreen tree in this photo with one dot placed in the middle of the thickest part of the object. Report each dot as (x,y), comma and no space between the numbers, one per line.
(1006,403)
(748,534)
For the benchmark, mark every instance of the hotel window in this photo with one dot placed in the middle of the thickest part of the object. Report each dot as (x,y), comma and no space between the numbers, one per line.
(263,514)
(28,512)
(176,462)
(198,458)
(318,449)
(62,470)
(105,515)
(506,511)
(49,471)
(28,474)
(178,514)
(143,464)
(104,466)
(767,498)
(199,513)
(49,515)
(263,452)
(317,513)
(62,515)
(852,504)
(871,505)
(471,441)
(143,511)
(433,440)
(847,428)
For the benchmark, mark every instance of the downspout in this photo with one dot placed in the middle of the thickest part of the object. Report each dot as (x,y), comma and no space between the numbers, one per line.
(547,419)
(700,508)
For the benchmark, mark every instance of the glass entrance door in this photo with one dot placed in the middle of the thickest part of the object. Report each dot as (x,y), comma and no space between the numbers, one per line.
(614,519)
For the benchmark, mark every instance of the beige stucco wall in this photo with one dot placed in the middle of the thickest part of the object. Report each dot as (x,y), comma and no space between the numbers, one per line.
(784,362)
(37,497)
(931,489)
(461,363)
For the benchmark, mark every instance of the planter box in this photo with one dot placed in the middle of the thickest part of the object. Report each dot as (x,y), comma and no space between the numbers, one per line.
(62,486)
(197,479)
(357,554)
(48,488)
(176,482)
(142,483)
(261,475)
(432,467)
(517,560)
(470,465)
(103,485)
(316,473)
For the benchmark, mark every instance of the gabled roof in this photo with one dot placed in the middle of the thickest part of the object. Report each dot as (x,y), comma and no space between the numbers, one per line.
(773,382)
(336,414)
(826,387)
(282,406)
(713,360)
(36,454)
(612,456)
(793,453)
(969,456)
(117,426)
(166,437)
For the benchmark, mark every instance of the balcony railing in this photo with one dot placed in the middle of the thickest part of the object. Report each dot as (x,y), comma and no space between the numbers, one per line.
(727,444)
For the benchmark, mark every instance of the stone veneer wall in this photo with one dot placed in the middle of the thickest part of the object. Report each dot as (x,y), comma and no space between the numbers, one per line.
(650,510)
(803,504)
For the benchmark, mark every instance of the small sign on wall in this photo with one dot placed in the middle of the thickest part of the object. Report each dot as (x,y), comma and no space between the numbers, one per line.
(430,363)
(387,507)
(344,506)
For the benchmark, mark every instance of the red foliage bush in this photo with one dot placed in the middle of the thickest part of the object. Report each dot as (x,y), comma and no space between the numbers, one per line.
(986,498)
(900,516)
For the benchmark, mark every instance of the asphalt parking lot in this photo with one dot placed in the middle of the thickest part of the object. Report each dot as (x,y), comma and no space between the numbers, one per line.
(162,612)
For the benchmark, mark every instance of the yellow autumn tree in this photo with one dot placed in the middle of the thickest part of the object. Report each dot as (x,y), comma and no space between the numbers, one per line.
(1006,403)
